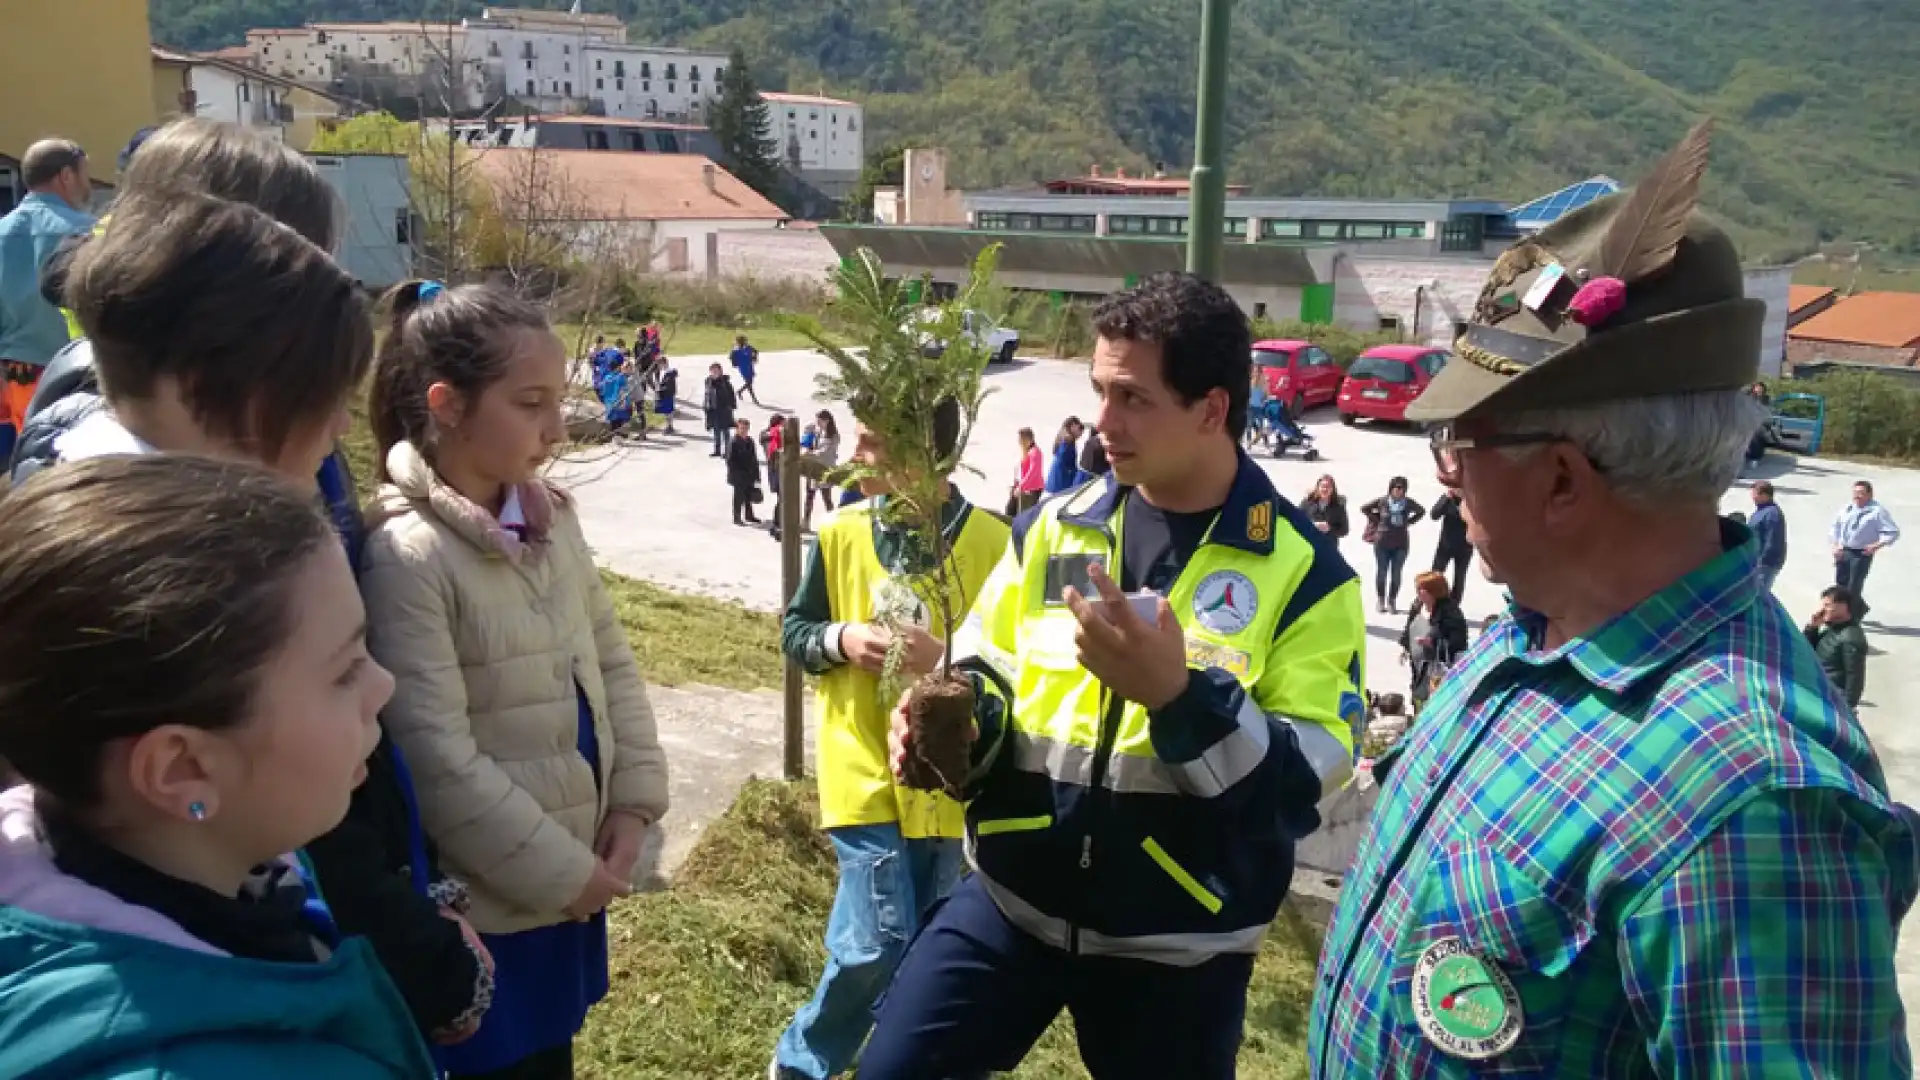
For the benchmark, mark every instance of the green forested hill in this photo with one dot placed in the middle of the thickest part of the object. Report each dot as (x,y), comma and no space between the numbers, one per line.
(1819,99)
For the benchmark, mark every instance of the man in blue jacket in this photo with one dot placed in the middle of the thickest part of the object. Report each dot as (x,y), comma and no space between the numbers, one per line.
(31,329)
(1769,527)
(1166,667)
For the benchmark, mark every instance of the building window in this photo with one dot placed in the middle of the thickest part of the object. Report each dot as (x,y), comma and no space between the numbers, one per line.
(596,139)
(669,142)
(402,226)
(619,69)
(493,49)
(530,90)
(529,65)
(1060,223)
(719,73)
(619,84)
(567,68)
(567,49)
(635,142)
(1367,230)
(1410,230)
(599,64)
(653,107)
(646,69)
(853,124)
(672,72)
(813,134)
(646,88)
(1139,225)
(670,88)
(1463,232)
(834,119)
(1237,226)
(1279,229)
(370,53)
(693,72)
(599,84)
(569,89)
(1390,324)
(246,92)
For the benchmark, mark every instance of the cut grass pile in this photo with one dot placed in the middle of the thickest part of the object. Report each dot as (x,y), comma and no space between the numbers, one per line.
(706,975)
(681,638)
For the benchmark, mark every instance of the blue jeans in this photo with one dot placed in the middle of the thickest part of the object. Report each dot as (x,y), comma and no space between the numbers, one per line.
(886,883)
(1387,563)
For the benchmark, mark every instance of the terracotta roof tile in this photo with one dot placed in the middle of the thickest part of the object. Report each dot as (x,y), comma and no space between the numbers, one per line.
(1886,319)
(1800,296)
(615,185)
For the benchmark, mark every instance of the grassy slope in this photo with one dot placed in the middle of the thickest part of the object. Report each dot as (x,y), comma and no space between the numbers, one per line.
(707,975)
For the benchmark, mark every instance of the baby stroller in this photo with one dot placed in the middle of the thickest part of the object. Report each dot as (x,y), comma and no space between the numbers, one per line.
(1277,430)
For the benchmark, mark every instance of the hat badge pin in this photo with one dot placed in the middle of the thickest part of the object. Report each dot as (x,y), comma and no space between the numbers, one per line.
(1465,1005)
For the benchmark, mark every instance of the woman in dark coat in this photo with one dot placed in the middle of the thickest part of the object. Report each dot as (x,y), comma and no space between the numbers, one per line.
(743,472)
(1326,508)
(1436,633)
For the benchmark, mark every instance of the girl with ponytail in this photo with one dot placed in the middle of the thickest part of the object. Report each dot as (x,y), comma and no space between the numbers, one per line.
(518,703)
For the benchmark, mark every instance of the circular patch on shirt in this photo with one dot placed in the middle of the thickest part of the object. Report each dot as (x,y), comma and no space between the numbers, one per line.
(1225,602)
(1465,1005)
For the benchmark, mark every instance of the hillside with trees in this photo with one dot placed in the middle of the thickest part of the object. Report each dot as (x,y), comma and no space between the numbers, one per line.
(1819,99)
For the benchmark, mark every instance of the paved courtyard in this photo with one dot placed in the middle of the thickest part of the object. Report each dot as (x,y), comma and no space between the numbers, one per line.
(660,511)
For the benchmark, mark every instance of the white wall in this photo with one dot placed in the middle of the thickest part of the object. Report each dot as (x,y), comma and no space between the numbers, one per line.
(1367,289)
(1769,283)
(830,137)
(643,83)
(229,98)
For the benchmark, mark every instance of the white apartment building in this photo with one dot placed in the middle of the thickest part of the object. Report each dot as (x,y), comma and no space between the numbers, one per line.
(643,82)
(344,54)
(823,135)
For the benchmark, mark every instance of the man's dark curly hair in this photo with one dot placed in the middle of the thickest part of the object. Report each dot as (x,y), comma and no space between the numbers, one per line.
(1205,340)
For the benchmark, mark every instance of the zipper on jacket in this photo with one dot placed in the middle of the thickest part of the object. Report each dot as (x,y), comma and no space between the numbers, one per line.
(1110,707)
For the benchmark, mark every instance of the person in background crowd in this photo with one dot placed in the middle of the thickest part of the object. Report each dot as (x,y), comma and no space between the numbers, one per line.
(1133,812)
(531,740)
(771,438)
(616,395)
(717,402)
(1453,549)
(185,688)
(1840,643)
(1388,519)
(666,391)
(826,454)
(1635,834)
(1032,481)
(743,473)
(31,329)
(1769,527)
(1063,471)
(1757,446)
(1257,406)
(605,357)
(830,630)
(745,357)
(1860,531)
(1435,635)
(1326,508)
(1093,455)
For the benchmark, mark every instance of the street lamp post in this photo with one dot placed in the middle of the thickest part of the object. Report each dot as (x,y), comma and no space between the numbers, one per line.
(1207,208)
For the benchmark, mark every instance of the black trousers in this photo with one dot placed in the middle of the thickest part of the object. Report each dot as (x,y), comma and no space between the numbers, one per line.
(743,505)
(1850,573)
(1460,557)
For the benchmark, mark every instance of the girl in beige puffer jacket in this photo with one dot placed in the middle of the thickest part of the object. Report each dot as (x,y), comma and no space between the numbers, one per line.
(519,706)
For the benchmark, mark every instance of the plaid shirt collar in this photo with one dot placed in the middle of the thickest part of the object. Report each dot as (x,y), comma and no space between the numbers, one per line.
(1650,636)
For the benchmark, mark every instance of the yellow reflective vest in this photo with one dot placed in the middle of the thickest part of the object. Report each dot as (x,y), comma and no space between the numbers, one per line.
(856,779)
(1105,828)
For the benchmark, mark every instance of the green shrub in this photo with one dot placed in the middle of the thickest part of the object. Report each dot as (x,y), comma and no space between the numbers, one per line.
(1343,344)
(1868,414)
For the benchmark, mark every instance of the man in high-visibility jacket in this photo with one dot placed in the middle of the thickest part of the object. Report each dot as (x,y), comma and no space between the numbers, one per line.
(899,850)
(1167,666)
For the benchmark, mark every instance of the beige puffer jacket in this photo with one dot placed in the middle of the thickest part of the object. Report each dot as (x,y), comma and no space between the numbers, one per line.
(486,638)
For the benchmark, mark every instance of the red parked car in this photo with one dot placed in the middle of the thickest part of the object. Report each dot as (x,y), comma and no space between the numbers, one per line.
(1299,374)
(1385,379)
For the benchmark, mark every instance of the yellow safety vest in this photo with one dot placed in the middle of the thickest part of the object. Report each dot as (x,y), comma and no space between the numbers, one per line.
(856,779)
(74,331)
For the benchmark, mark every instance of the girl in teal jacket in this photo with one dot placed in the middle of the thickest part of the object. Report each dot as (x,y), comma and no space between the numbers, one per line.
(186,692)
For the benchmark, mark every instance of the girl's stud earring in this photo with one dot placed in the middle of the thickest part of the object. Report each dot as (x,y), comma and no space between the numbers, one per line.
(197,811)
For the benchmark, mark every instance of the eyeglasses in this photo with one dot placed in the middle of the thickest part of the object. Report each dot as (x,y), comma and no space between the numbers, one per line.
(1447,445)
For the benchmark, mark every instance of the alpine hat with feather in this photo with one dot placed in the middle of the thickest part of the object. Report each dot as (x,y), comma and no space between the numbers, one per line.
(1634,295)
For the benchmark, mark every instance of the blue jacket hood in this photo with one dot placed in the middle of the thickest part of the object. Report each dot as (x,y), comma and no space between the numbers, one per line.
(82,1002)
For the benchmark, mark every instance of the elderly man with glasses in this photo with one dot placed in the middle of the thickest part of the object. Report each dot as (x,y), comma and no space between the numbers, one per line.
(1637,832)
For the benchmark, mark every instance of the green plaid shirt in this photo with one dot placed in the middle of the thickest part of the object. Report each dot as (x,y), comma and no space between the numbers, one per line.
(1670,835)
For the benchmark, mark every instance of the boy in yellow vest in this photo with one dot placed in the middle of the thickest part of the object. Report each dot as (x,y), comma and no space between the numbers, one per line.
(899,850)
